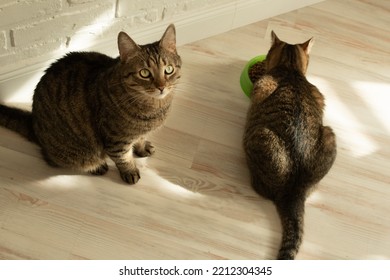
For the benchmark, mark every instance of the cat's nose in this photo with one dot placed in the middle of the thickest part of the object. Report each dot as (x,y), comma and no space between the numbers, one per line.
(161,89)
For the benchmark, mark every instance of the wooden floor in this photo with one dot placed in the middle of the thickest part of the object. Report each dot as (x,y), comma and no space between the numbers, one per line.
(194,200)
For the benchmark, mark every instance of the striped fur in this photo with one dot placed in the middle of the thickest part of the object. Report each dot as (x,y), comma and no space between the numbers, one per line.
(287,147)
(89,106)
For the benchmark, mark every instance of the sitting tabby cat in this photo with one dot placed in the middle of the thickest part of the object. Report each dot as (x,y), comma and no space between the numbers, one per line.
(287,147)
(88,106)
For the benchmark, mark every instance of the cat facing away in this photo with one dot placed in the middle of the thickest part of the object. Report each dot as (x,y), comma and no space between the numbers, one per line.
(89,106)
(288,149)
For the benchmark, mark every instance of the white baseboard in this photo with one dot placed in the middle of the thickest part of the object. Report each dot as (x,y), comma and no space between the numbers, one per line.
(17,85)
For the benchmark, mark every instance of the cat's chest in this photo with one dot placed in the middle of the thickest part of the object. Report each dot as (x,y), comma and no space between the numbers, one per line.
(140,122)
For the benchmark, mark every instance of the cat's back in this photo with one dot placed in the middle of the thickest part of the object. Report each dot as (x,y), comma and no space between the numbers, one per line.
(65,92)
(291,112)
(305,99)
(87,60)
(280,105)
(71,75)
(77,66)
(294,97)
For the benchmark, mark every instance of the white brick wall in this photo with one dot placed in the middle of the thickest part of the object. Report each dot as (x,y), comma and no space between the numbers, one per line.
(31,28)
(35,32)
(144,10)
(3,42)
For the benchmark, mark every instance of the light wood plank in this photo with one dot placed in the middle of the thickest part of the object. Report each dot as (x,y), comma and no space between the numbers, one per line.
(194,200)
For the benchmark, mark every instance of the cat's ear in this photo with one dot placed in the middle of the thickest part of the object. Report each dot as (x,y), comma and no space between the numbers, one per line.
(307,45)
(127,47)
(275,39)
(168,40)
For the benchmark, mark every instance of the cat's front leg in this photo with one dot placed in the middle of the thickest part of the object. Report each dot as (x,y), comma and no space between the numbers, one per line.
(143,148)
(124,161)
(263,88)
(130,176)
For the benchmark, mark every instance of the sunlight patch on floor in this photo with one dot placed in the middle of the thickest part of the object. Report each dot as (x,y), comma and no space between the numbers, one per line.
(315,198)
(66,181)
(348,128)
(377,98)
(175,189)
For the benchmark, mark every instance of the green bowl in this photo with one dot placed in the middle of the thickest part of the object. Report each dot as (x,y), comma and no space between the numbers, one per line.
(245,81)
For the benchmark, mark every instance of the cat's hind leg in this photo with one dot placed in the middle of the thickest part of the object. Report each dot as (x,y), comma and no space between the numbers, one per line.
(268,160)
(143,148)
(328,150)
(93,165)
(78,160)
(89,161)
(325,157)
(100,169)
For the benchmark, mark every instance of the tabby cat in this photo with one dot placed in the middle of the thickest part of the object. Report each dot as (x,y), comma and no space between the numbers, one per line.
(288,149)
(88,106)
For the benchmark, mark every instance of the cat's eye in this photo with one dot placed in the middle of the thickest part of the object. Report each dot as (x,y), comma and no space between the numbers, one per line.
(144,73)
(169,69)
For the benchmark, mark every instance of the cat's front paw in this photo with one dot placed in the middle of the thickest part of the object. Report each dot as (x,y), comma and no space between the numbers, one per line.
(131,177)
(146,151)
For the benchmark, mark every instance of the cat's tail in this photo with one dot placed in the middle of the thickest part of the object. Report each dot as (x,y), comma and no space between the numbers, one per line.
(291,210)
(17,120)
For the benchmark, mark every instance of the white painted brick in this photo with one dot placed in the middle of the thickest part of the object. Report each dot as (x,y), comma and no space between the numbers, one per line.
(3,41)
(60,26)
(146,16)
(22,54)
(75,2)
(133,8)
(21,11)
(87,36)
(73,6)
(5,3)
(163,9)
